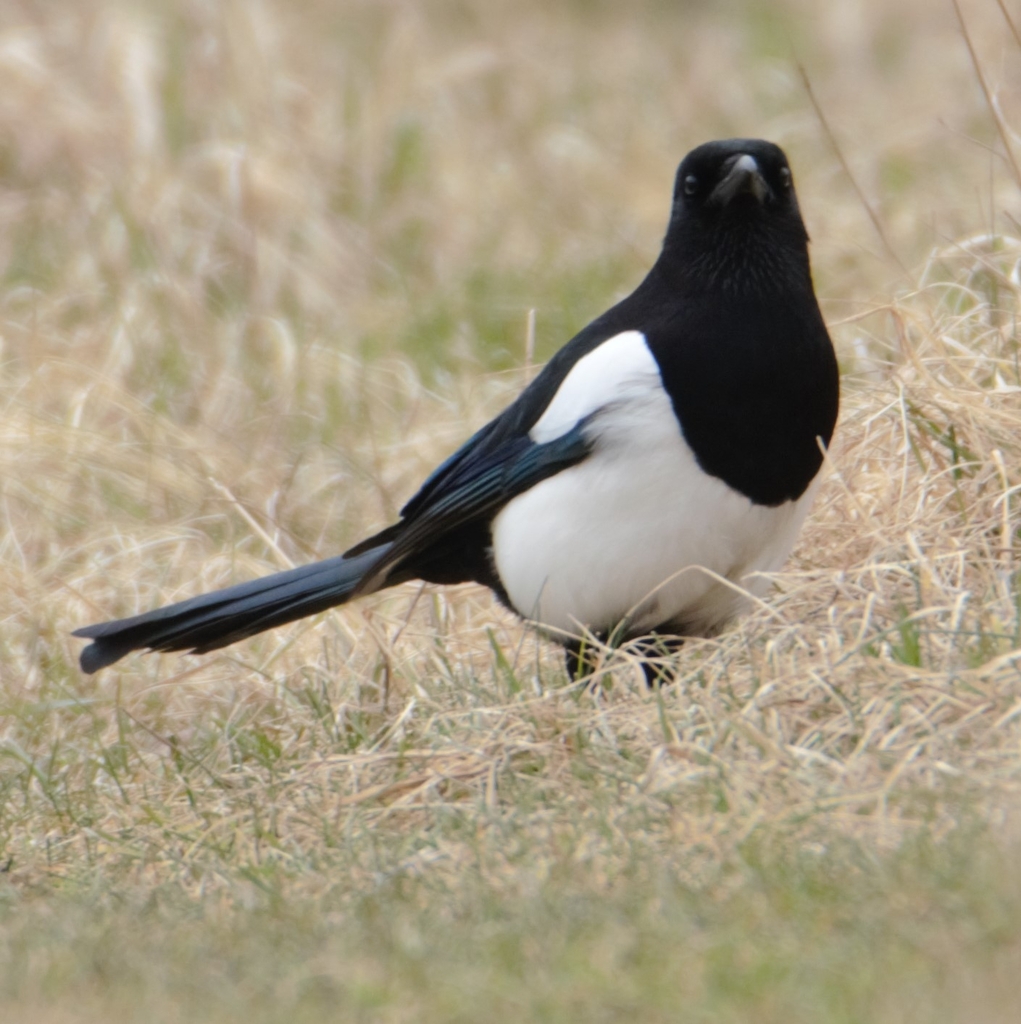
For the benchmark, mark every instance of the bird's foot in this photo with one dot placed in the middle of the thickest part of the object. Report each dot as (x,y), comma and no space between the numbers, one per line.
(658,657)
(655,652)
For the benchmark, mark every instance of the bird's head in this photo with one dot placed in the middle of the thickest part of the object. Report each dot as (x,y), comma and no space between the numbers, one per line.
(735,212)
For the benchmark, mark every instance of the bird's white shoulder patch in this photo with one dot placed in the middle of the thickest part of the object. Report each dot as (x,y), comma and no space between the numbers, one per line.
(615,371)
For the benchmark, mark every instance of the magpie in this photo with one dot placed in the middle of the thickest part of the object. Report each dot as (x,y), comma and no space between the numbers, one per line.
(662,457)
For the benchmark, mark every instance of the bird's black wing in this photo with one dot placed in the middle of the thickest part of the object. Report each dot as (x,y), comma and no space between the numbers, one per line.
(467,486)
(471,489)
(514,423)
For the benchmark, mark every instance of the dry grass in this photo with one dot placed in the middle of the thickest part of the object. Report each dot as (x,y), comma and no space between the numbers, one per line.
(263,265)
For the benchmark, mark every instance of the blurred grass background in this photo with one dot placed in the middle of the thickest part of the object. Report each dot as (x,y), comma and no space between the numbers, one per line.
(261,266)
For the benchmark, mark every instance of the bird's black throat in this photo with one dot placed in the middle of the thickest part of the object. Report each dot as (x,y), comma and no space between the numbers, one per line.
(745,356)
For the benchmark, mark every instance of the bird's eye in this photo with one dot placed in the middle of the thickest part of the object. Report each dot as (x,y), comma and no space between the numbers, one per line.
(690,185)
(785,177)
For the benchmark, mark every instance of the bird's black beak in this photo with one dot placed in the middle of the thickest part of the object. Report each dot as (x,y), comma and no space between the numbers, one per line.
(742,178)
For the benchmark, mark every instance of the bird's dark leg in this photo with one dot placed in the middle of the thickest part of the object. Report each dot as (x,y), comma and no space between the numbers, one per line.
(580,658)
(654,650)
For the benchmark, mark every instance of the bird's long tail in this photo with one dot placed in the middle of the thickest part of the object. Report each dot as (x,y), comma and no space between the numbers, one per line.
(214,620)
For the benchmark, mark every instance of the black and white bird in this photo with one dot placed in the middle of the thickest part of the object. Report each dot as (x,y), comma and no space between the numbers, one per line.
(663,456)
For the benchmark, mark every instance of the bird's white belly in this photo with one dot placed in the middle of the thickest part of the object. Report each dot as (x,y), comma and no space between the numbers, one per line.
(629,532)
